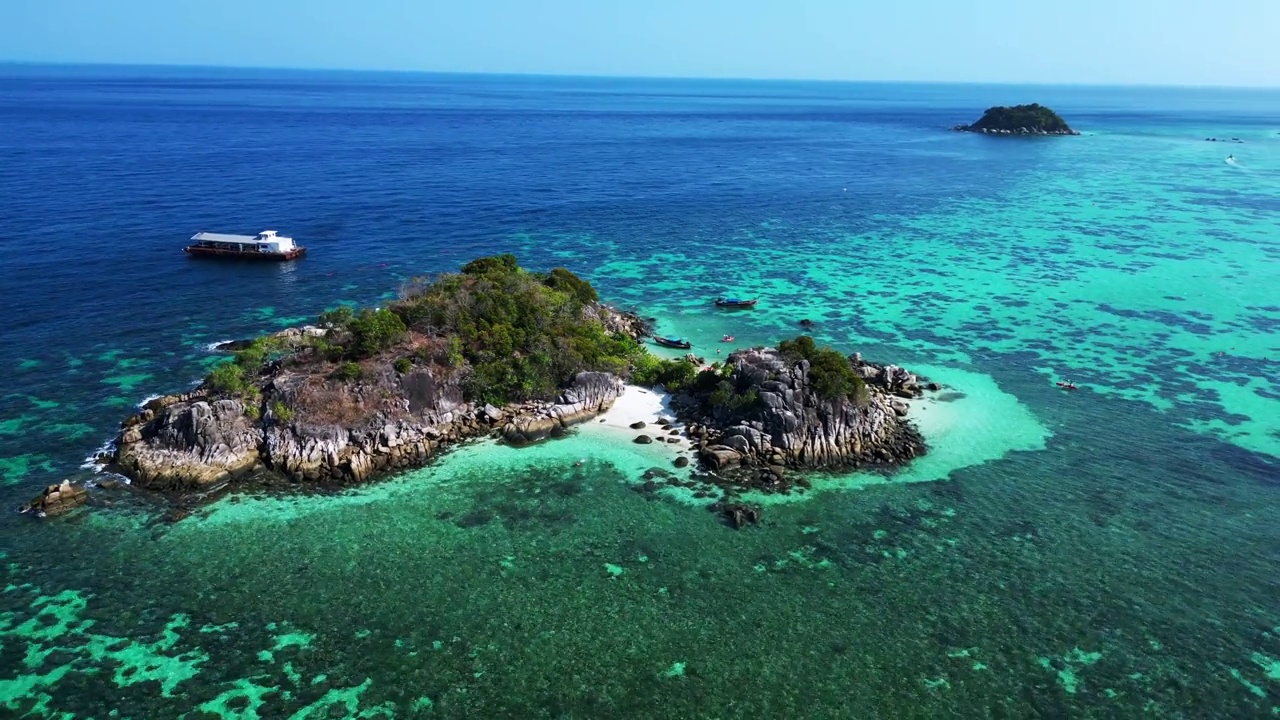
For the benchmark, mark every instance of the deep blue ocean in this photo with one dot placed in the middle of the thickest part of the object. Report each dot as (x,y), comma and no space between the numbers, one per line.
(1111,553)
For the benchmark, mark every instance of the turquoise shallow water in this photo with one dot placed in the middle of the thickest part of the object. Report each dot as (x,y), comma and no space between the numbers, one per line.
(1104,553)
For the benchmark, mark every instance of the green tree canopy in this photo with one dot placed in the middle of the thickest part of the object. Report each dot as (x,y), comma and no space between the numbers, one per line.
(523,334)
(830,373)
(1031,117)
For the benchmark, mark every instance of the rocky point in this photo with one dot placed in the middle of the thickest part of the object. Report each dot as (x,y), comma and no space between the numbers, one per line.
(789,426)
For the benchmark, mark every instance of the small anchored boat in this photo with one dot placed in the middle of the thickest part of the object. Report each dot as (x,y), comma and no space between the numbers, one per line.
(673,343)
(736,303)
(266,245)
(1066,385)
(727,338)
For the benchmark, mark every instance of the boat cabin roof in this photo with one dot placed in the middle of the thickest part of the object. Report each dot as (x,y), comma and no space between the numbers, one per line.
(263,236)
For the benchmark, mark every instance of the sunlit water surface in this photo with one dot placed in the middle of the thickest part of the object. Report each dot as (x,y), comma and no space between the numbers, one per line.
(1110,552)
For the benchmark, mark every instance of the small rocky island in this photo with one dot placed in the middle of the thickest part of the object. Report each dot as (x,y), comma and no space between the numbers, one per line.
(496,350)
(1033,119)
(798,406)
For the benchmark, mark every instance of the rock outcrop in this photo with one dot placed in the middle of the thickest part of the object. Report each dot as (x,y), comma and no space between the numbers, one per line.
(195,442)
(56,499)
(591,394)
(626,323)
(788,425)
(189,441)
(289,337)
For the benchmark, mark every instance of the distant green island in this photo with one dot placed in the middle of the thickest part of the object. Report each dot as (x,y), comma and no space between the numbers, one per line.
(1033,119)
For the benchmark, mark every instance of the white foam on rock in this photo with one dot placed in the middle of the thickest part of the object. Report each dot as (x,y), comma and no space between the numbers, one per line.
(92,462)
(143,402)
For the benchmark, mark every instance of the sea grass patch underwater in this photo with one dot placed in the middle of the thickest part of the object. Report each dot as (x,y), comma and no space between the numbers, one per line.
(1109,552)
(551,592)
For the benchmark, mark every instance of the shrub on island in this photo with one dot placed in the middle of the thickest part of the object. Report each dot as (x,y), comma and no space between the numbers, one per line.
(650,370)
(374,331)
(515,335)
(830,372)
(522,334)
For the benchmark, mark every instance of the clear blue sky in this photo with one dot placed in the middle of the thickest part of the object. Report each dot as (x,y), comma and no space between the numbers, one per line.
(1196,42)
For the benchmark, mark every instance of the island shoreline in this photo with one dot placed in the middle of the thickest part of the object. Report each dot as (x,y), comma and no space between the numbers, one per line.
(364,396)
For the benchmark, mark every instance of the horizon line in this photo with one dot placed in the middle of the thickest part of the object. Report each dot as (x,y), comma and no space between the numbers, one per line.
(726,78)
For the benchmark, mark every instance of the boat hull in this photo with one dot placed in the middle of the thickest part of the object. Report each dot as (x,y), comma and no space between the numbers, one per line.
(196,251)
(673,345)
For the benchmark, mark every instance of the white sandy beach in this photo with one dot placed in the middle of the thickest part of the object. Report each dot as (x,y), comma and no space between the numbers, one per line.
(639,404)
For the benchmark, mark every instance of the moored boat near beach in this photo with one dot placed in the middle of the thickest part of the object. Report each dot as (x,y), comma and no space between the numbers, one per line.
(266,245)
(673,343)
(736,303)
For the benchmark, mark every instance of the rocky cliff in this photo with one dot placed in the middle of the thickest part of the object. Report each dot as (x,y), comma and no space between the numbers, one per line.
(198,441)
(773,416)
(300,408)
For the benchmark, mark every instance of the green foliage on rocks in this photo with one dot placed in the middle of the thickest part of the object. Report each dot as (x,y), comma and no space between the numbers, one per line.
(523,334)
(237,378)
(675,375)
(565,281)
(227,378)
(281,412)
(453,354)
(725,396)
(349,371)
(831,374)
(364,333)
(337,318)
(373,331)
(518,335)
(501,264)
(259,351)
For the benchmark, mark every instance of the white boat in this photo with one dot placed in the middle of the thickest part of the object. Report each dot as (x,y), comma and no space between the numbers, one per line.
(266,245)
